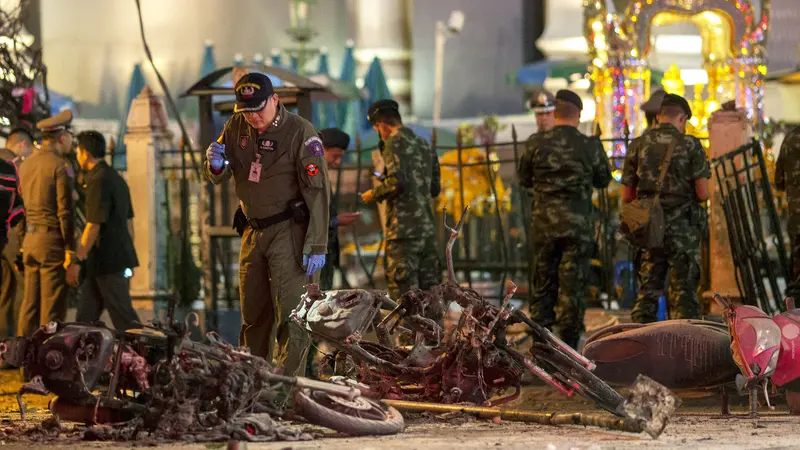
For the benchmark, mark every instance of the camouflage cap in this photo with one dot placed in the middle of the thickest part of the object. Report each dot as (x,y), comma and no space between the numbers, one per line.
(542,102)
(334,137)
(60,122)
(677,100)
(568,96)
(653,104)
(382,106)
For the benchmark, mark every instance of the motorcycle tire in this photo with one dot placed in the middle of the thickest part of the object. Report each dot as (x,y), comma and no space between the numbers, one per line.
(360,417)
(589,385)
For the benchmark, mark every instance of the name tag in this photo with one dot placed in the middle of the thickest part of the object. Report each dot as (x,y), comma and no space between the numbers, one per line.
(255,172)
(266,145)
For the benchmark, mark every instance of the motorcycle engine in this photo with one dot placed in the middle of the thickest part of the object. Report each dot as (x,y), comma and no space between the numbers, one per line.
(70,358)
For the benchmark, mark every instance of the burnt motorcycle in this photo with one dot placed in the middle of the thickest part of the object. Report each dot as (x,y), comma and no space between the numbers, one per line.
(158,379)
(474,363)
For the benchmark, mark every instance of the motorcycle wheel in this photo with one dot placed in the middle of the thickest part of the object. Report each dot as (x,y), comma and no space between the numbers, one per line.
(359,417)
(589,385)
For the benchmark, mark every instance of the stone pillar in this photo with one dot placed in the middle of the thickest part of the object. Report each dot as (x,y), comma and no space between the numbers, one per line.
(382,28)
(727,130)
(146,138)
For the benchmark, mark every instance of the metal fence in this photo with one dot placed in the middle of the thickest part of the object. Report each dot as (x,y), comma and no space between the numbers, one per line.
(754,227)
(494,246)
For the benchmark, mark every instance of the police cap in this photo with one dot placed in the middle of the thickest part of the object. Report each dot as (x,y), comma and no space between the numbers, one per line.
(382,106)
(60,122)
(568,96)
(334,137)
(542,102)
(252,92)
(677,100)
(653,104)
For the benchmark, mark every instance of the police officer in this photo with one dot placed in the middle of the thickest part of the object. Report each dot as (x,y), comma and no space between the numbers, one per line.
(543,106)
(685,184)
(561,167)
(787,179)
(106,247)
(277,163)
(652,106)
(410,181)
(335,142)
(47,185)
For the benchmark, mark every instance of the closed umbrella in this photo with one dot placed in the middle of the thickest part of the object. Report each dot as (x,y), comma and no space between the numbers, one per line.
(135,86)
(345,114)
(324,113)
(375,84)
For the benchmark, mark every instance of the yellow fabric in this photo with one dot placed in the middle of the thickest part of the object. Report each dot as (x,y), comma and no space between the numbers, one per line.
(477,183)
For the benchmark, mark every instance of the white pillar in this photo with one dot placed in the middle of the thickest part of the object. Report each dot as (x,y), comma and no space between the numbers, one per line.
(381,28)
(146,138)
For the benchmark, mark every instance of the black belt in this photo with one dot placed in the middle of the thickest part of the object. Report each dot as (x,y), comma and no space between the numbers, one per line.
(258,224)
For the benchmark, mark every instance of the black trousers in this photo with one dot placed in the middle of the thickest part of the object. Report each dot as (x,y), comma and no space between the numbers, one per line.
(107,291)
(8,297)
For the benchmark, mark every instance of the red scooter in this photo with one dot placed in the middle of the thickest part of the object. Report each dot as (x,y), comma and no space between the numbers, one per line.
(765,348)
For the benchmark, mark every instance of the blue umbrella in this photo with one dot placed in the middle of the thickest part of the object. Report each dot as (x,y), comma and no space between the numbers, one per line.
(135,86)
(276,58)
(324,113)
(375,83)
(344,110)
(209,63)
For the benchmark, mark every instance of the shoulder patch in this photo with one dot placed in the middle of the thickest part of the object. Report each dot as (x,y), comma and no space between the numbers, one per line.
(312,170)
(314,145)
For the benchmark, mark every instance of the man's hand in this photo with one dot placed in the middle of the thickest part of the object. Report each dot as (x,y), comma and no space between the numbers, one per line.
(313,263)
(368,197)
(73,275)
(215,154)
(347,218)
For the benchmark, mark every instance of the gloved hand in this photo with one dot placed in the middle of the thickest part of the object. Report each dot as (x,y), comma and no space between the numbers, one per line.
(313,263)
(215,154)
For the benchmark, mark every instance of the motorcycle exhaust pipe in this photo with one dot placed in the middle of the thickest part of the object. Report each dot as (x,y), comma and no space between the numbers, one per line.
(88,414)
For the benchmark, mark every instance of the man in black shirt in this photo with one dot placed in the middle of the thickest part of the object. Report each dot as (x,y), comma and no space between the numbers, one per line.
(106,247)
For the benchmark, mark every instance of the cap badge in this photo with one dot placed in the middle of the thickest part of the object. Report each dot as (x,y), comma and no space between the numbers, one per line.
(248,89)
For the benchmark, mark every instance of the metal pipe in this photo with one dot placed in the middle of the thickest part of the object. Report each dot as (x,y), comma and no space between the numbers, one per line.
(599,420)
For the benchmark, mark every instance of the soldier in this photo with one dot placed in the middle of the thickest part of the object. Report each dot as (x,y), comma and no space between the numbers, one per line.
(409,182)
(561,166)
(276,160)
(335,142)
(652,106)
(685,184)
(787,179)
(106,247)
(47,185)
(543,106)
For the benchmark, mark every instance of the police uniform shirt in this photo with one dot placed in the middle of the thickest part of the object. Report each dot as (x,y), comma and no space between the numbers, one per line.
(108,204)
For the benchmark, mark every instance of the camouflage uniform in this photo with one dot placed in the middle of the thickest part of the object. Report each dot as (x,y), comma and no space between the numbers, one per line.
(683,216)
(787,178)
(411,179)
(561,166)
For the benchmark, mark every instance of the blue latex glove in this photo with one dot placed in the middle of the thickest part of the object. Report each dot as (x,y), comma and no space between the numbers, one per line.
(313,263)
(215,154)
